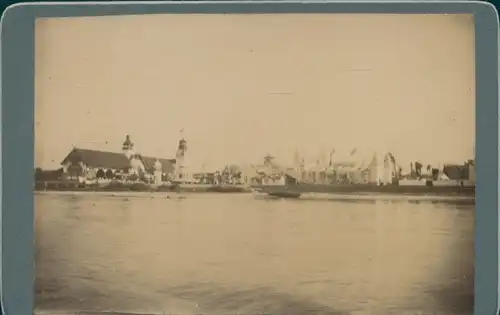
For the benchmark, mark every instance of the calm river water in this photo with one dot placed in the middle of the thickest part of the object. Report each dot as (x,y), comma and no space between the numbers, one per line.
(242,254)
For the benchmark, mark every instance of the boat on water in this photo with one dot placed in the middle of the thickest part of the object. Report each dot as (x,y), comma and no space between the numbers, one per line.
(214,188)
(284,194)
(295,191)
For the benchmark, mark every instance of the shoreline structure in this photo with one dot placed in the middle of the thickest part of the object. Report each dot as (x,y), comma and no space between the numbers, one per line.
(275,190)
(355,174)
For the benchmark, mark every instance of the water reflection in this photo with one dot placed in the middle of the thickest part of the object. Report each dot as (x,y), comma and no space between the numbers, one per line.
(224,254)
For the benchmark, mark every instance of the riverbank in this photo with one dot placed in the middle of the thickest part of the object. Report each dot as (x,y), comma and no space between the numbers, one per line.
(378,198)
(289,191)
(138,187)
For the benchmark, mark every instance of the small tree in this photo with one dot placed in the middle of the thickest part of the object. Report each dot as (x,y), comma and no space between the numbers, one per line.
(100,173)
(418,168)
(109,174)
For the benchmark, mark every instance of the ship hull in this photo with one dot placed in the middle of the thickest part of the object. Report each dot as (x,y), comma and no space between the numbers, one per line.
(297,190)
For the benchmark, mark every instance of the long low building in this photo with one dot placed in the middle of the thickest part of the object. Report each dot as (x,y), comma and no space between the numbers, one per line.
(81,162)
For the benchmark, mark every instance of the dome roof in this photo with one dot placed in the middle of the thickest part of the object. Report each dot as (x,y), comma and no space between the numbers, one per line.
(127,143)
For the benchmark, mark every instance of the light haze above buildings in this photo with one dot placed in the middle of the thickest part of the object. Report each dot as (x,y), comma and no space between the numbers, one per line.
(242,86)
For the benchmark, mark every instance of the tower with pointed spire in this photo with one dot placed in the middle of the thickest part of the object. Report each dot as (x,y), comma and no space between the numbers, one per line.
(128,147)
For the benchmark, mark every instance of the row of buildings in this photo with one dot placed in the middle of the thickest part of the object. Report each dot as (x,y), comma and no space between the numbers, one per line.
(352,169)
(369,167)
(357,167)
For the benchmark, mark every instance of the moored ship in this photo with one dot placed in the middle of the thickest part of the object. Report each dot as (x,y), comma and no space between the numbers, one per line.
(296,190)
(363,174)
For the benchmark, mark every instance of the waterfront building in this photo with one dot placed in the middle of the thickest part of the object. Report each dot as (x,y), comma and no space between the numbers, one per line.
(181,173)
(458,175)
(86,163)
(363,167)
(357,167)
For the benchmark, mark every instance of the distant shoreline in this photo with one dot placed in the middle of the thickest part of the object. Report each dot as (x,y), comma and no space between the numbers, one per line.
(140,187)
(339,197)
(351,191)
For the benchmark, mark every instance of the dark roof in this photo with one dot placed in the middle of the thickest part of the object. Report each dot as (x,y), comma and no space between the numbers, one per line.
(456,172)
(167,165)
(95,158)
(114,160)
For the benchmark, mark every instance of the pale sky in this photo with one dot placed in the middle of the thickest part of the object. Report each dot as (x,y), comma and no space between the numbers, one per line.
(243,86)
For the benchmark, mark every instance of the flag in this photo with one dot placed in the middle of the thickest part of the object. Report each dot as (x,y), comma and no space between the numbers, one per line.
(332,152)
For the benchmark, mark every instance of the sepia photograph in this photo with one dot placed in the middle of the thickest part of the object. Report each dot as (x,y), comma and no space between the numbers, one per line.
(283,164)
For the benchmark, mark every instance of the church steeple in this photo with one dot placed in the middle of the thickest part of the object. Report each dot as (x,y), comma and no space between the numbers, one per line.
(182,148)
(128,147)
(128,144)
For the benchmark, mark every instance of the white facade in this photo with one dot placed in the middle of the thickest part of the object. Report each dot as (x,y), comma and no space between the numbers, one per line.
(158,172)
(362,168)
(358,167)
(472,173)
(136,166)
